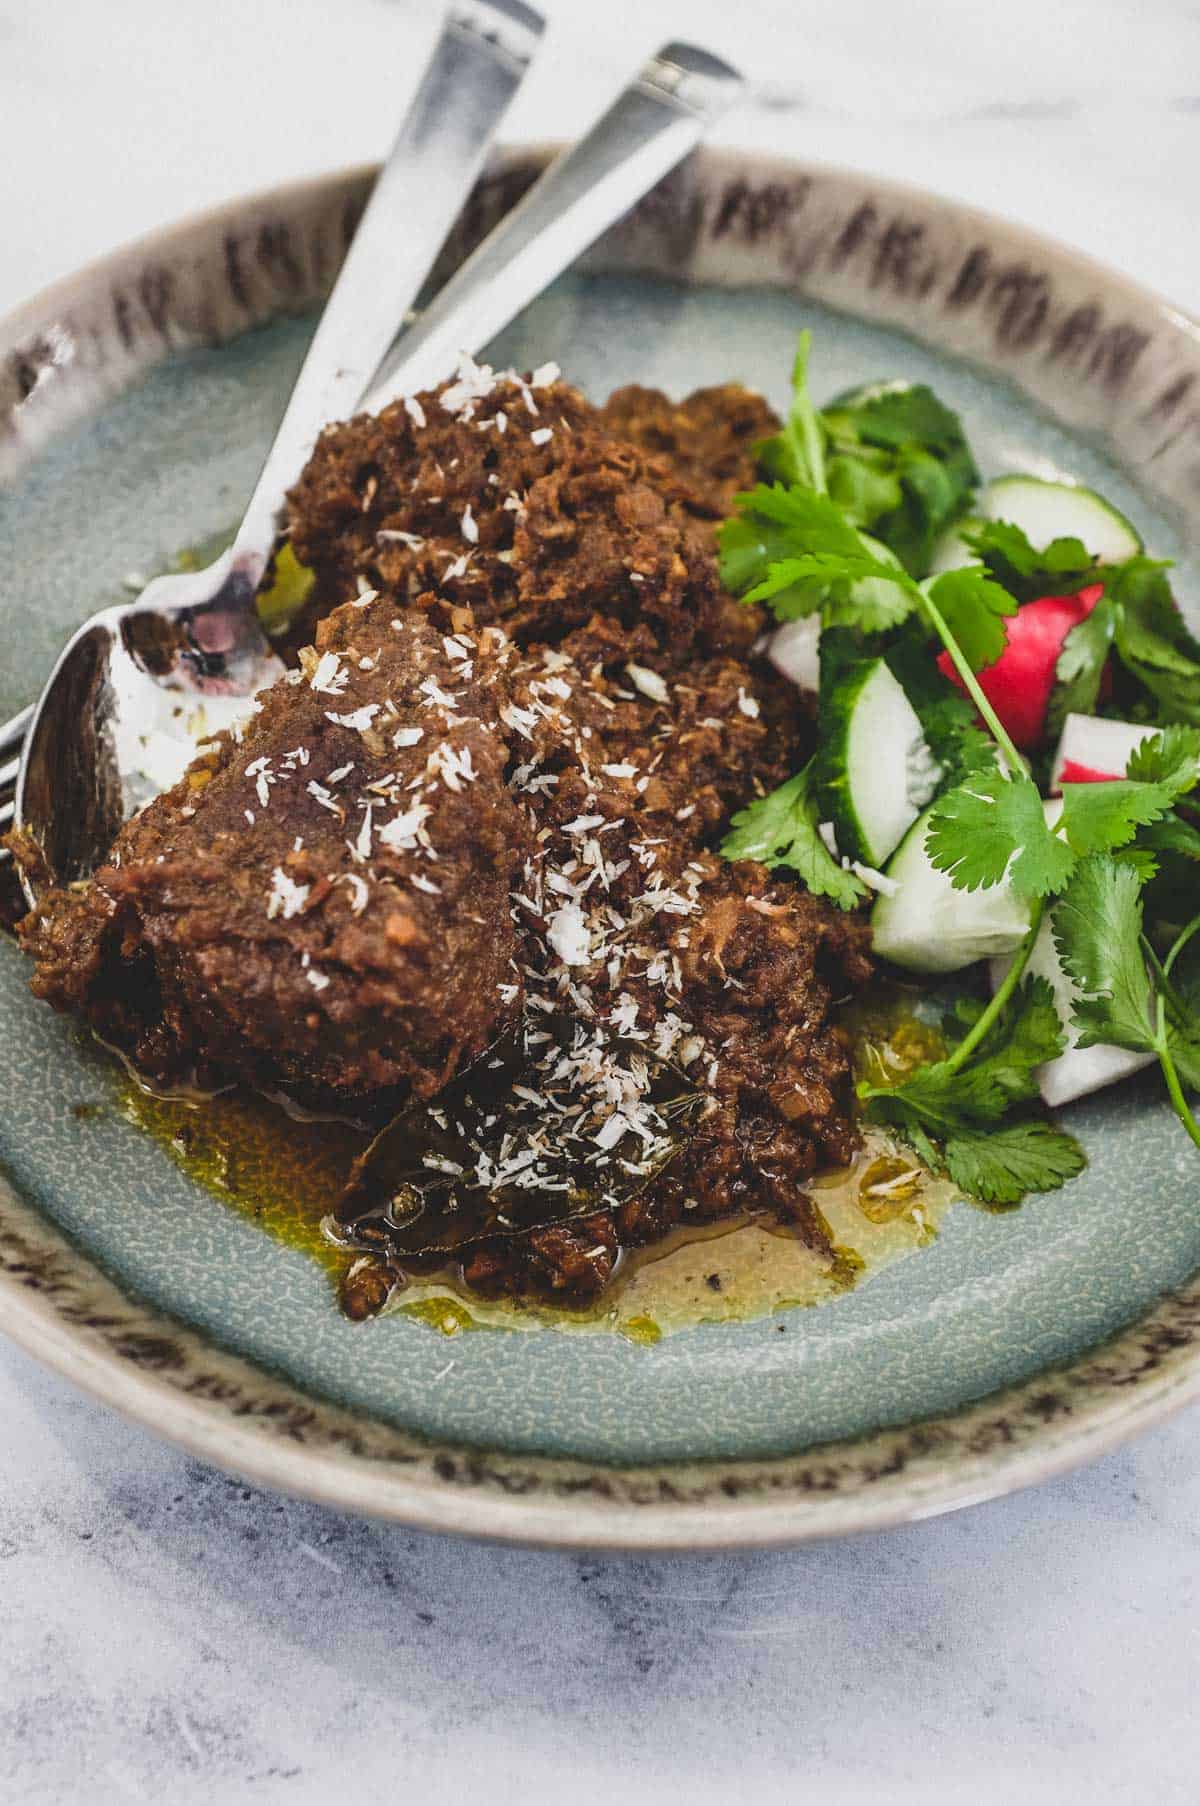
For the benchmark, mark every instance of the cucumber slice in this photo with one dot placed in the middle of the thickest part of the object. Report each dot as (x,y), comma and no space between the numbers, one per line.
(926,925)
(874,771)
(1046,511)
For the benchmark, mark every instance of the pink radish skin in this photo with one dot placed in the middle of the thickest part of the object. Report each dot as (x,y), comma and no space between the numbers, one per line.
(1073,773)
(1019,684)
(1093,749)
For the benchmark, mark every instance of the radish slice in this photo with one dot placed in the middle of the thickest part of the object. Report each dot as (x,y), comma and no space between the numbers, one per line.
(1071,773)
(1092,750)
(1019,684)
(1078,1070)
(795,650)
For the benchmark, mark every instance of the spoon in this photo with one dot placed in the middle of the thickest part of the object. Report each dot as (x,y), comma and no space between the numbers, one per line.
(117,720)
(657,119)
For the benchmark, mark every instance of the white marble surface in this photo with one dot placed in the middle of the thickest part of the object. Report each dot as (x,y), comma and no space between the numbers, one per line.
(167,1634)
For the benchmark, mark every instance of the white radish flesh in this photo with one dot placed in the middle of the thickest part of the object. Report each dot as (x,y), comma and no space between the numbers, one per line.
(1078,1070)
(1097,745)
(795,651)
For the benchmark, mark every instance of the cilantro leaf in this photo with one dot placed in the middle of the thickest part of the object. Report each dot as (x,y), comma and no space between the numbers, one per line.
(1152,639)
(1079,672)
(1183,1034)
(796,550)
(1106,815)
(1169,851)
(774,525)
(1019,566)
(796,454)
(973,608)
(1002,1073)
(820,522)
(1028,1034)
(992,827)
(864,487)
(964,1107)
(1170,758)
(899,465)
(1097,926)
(782,830)
(859,590)
(1172,835)
(1001,1164)
(745,550)
(1099,817)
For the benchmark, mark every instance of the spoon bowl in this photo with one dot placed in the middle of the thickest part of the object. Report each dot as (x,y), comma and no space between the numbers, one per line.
(133,693)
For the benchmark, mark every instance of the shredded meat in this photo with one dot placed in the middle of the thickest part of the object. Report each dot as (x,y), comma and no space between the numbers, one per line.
(258,922)
(706,442)
(495,785)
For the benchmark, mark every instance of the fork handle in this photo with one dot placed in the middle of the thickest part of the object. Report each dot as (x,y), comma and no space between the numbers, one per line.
(12,733)
(648,129)
(477,65)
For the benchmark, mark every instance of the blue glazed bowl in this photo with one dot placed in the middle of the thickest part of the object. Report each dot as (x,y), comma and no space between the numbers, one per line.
(136,400)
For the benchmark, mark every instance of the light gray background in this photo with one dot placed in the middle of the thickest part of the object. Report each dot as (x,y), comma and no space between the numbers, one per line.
(167,1634)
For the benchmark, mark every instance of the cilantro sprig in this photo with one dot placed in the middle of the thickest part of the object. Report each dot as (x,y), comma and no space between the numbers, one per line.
(1127,997)
(968,1115)
(892,457)
(782,829)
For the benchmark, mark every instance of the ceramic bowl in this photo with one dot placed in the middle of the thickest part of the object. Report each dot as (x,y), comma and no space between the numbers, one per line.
(135,401)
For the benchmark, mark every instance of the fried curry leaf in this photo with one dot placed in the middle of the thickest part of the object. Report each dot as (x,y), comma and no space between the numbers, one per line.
(469,1166)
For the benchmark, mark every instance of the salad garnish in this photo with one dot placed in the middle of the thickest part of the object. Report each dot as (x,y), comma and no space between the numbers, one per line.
(866,526)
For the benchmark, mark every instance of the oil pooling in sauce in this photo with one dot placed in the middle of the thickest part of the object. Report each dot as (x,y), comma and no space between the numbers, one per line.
(284,1174)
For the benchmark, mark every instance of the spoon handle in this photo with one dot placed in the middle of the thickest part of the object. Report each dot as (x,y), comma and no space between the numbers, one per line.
(648,129)
(477,65)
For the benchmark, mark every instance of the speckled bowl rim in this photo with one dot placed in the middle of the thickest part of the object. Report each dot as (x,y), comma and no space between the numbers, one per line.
(62,1309)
